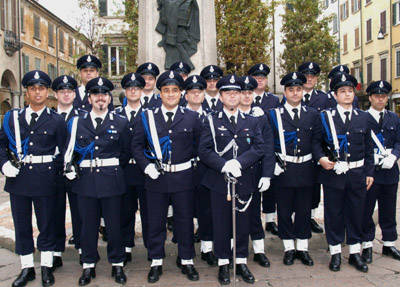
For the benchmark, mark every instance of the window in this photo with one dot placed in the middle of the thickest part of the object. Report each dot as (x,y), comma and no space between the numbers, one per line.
(383,22)
(22,19)
(36,25)
(355,5)
(61,42)
(51,34)
(116,56)
(397,63)
(344,10)
(369,31)
(2,15)
(103,8)
(357,74)
(14,16)
(326,3)
(345,43)
(25,63)
(70,46)
(357,37)
(383,69)
(369,73)
(51,71)
(396,13)
(335,24)
(37,63)
(367,1)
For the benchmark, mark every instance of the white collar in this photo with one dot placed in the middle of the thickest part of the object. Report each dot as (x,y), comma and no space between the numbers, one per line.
(208,98)
(341,111)
(165,111)
(290,108)
(30,111)
(255,95)
(93,116)
(67,111)
(376,114)
(246,112)
(149,96)
(310,93)
(200,110)
(228,114)
(128,111)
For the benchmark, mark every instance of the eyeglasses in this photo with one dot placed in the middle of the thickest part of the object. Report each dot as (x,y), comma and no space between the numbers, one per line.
(133,89)
(36,88)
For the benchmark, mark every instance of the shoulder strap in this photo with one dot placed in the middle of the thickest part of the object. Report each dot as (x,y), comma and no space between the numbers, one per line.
(280,132)
(379,144)
(17,134)
(333,131)
(231,144)
(71,145)
(154,135)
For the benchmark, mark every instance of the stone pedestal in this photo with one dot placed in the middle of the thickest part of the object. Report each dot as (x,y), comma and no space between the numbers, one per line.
(149,38)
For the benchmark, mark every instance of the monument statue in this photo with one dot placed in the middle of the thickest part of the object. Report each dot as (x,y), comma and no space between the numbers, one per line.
(180,29)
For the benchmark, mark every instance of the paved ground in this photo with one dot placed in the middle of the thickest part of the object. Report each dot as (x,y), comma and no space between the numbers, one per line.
(383,271)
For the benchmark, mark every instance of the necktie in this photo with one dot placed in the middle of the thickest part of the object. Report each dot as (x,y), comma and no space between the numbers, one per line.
(380,120)
(132,116)
(233,122)
(64,115)
(98,123)
(258,101)
(213,105)
(296,115)
(146,102)
(347,120)
(169,121)
(307,99)
(34,116)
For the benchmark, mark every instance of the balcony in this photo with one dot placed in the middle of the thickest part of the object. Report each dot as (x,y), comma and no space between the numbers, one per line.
(11,43)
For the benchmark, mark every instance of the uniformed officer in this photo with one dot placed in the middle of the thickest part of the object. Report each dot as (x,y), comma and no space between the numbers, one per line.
(320,101)
(347,174)
(89,68)
(64,88)
(133,84)
(28,142)
(386,128)
(183,70)
(164,146)
(212,74)
(257,234)
(295,128)
(195,86)
(101,140)
(331,94)
(265,101)
(149,71)
(231,144)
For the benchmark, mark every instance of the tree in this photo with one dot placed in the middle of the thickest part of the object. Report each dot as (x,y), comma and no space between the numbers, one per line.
(306,36)
(132,18)
(243,33)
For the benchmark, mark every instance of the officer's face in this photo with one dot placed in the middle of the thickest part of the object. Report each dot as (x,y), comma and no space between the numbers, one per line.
(294,94)
(99,102)
(170,96)
(345,95)
(65,97)
(378,102)
(133,94)
(230,99)
(194,96)
(37,95)
(88,73)
(150,82)
(311,81)
(262,82)
(246,98)
(212,85)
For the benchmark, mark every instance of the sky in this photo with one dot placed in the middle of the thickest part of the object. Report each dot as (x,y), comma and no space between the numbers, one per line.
(67,10)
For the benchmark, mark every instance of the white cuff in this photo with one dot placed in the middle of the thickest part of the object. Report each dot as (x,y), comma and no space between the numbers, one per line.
(288,244)
(170,211)
(118,264)
(270,217)
(26,261)
(206,246)
(46,258)
(302,244)
(223,262)
(241,260)
(367,244)
(335,249)
(258,246)
(88,265)
(102,223)
(58,254)
(156,262)
(388,243)
(313,212)
(80,251)
(355,248)
(187,262)
(128,249)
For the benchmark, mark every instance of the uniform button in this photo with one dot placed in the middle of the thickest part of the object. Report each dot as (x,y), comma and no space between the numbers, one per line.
(112,126)
(130,129)
(298,150)
(184,130)
(96,137)
(96,147)
(83,106)
(49,167)
(298,129)
(116,168)
(235,136)
(97,170)
(347,133)
(298,140)
(30,167)
(45,132)
(348,143)
(348,155)
(111,137)
(32,132)
(31,143)
(170,131)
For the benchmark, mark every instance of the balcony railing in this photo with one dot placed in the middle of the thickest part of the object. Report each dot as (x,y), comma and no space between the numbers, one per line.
(11,43)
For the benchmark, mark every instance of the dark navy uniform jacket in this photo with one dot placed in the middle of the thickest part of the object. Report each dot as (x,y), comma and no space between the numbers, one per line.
(208,109)
(320,101)
(84,104)
(183,134)
(155,102)
(268,101)
(249,139)
(49,132)
(133,174)
(300,138)
(359,146)
(111,140)
(391,135)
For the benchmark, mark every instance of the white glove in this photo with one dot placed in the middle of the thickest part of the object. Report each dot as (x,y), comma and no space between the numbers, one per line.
(71,175)
(377,158)
(278,170)
(264,184)
(9,170)
(388,162)
(341,167)
(152,171)
(233,167)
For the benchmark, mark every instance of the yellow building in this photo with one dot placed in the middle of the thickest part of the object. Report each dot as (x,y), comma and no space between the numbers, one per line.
(365,41)
(395,54)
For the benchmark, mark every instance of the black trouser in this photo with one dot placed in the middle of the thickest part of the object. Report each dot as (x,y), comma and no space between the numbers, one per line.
(204,215)
(256,228)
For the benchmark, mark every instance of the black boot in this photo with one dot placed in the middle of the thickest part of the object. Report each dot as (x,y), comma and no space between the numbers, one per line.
(336,261)
(170,223)
(118,273)
(271,227)
(57,262)
(47,276)
(261,259)
(243,270)
(367,255)
(26,275)
(87,275)
(305,258)
(357,261)
(196,236)
(154,274)
(223,275)
(391,251)
(209,257)
(128,258)
(191,272)
(288,258)
(315,227)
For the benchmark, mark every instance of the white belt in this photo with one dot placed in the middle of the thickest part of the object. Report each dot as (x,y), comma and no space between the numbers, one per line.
(355,164)
(132,161)
(98,162)
(38,159)
(388,150)
(296,159)
(177,167)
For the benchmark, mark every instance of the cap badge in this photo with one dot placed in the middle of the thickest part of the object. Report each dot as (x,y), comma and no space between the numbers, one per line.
(194,80)
(232,80)
(246,81)
(89,59)
(294,77)
(341,68)
(149,67)
(211,69)
(261,67)
(36,76)
(344,78)
(311,66)
(65,80)
(171,75)
(381,85)
(181,65)
(133,77)
(100,82)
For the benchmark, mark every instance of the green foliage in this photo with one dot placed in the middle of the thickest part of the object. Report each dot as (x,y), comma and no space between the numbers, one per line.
(132,18)
(306,36)
(244,33)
